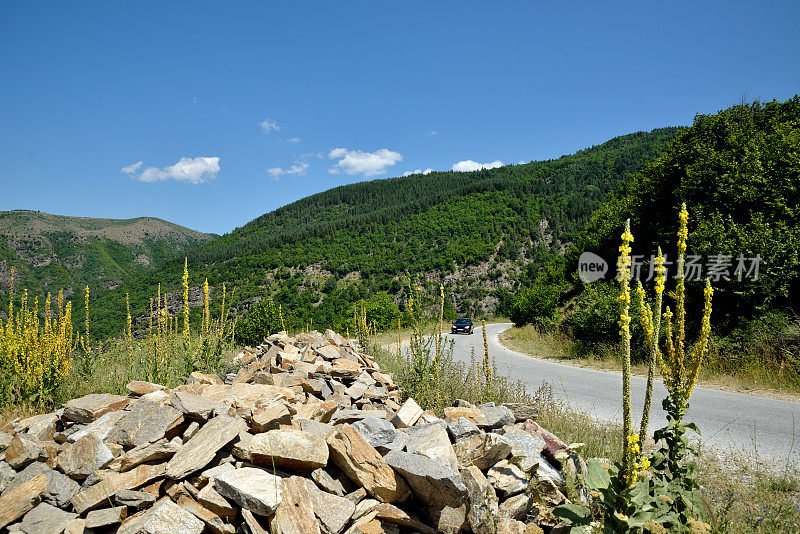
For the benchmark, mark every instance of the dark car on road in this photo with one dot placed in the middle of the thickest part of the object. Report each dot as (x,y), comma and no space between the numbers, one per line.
(461,325)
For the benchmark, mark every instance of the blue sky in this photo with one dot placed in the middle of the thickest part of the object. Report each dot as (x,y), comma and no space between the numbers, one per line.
(234,109)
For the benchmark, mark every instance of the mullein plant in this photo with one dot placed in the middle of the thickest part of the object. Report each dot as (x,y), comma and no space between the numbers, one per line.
(658,493)
(35,349)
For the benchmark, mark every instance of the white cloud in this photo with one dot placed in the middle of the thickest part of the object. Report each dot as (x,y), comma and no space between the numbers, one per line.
(418,171)
(294,140)
(299,168)
(190,170)
(132,168)
(469,165)
(434,132)
(269,126)
(367,164)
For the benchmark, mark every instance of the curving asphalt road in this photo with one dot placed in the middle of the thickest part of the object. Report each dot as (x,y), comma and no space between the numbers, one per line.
(729,421)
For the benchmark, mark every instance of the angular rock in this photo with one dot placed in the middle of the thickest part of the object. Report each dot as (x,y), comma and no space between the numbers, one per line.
(150,452)
(139,388)
(23,451)
(213,522)
(546,471)
(17,502)
(351,416)
(76,526)
(470,413)
(100,428)
(59,488)
(146,422)
(240,446)
(526,448)
(195,407)
(507,478)
(91,407)
(553,445)
(431,440)
(515,507)
(164,516)
(482,450)
(271,417)
(407,415)
(7,474)
(134,499)
(496,417)
(93,496)
(202,448)
(523,410)
(364,465)
(376,431)
(40,427)
(46,519)
(251,488)
(388,513)
(462,428)
(106,517)
(212,500)
(289,449)
(333,512)
(84,457)
(482,500)
(432,483)
(295,514)
(321,430)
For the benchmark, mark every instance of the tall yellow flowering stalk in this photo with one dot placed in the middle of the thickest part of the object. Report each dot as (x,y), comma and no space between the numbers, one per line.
(186,297)
(86,317)
(624,275)
(206,309)
(35,352)
(651,324)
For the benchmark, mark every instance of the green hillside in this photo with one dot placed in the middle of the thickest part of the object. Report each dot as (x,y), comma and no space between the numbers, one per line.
(481,233)
(53,252)
(739,173)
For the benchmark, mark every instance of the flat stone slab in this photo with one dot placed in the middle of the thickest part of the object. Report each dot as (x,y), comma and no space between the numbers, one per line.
(145,422)
(93,496)
(17,502)
(201,449)
(164,516)
(251,488)
(433,483)
(82,458)
(290,449)
(46,519)
(91,407)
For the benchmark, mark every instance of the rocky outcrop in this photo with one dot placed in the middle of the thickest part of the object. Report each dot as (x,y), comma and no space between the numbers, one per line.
(309,436)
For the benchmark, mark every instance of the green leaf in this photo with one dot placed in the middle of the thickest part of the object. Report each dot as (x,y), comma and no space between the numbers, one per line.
(597,476)
(573,514)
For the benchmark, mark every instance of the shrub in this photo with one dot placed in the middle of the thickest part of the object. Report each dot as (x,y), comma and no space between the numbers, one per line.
(262,320)
(593,319)
(535,305)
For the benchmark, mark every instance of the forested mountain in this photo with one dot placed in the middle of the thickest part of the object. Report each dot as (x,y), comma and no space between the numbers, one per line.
(739,173)
(54,252)
(475,231)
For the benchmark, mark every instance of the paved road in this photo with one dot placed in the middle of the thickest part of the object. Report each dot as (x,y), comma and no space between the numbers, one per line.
(730,421)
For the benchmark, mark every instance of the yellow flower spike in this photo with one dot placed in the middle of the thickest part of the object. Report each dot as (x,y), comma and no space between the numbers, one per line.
(186,297)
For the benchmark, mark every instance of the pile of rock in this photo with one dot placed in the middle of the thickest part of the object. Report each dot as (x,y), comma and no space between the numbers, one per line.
(308,437)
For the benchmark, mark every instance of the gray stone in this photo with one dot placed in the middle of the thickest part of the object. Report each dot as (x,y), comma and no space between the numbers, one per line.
(431,440)
(46,519)
(482,450)
(23,451)
(376,431)
(325,481)
(515,507)
(432,483)
(145,422)
(100,428)
(496,416)
(526,448)
(240,446)
(251,488)
(80,459)
(164,516)
(202,448)
(507,478)
(7,474)
(546,471)
(193,406)
(149,452)
(106,517)
(482,500)
(351,415)
(17,502)
(523,410)
(134,499)
(59,488)
(462,428)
